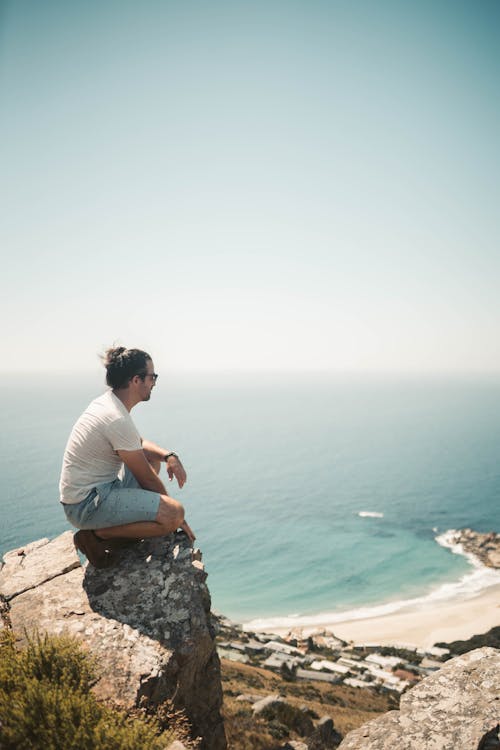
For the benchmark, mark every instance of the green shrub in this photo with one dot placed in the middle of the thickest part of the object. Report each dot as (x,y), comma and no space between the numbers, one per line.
(288,674)
(278,730)
(288,715)
(491,638)
(46,702)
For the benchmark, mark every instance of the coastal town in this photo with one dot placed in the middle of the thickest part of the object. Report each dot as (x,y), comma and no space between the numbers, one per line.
(323,657)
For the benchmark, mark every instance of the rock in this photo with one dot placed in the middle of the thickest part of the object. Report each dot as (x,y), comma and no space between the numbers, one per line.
(294,745)
(268,701)
(147,620)
(248,698)
(494,558)
(486,547)
(30,566)
(324,735)
(450,710)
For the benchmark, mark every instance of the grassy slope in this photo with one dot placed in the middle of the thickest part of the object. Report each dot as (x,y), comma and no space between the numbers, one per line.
(348,707)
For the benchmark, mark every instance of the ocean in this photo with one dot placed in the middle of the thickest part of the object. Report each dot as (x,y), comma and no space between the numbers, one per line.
(309,494)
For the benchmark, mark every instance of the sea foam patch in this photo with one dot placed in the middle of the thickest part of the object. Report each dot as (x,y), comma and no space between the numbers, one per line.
(370,514)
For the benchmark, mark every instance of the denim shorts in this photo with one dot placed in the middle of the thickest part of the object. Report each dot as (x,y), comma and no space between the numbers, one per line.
(114,504)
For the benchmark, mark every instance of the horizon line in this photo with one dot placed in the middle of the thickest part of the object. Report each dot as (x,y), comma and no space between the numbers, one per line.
(272,371)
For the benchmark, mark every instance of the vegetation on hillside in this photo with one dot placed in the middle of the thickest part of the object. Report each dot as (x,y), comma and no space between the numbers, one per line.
(456,648)
(46,703)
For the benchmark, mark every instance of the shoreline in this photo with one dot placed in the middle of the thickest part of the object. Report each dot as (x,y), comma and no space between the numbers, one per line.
(454,611)
(414,626)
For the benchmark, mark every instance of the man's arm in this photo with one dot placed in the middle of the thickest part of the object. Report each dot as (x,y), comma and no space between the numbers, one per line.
(142,470)
(175,468)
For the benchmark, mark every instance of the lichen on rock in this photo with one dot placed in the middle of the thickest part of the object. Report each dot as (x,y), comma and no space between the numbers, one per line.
(450,710)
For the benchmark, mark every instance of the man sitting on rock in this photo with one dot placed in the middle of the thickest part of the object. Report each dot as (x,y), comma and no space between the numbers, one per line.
(110,486)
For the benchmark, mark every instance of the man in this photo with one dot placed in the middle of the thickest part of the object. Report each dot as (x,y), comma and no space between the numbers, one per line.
(110,486)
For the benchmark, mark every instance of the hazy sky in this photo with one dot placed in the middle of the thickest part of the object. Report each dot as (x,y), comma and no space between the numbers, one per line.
(245,184)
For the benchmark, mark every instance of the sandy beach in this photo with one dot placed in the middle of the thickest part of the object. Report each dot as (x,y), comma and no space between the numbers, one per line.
(420,627)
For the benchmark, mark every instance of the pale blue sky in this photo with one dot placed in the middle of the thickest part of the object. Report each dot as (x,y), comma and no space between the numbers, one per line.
(251,185)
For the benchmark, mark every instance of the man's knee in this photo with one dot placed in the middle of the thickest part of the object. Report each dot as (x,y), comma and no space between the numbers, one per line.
(170,513)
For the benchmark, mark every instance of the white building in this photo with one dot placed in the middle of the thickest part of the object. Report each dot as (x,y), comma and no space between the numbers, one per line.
(386,662)
(331,666)
(283,648)
(353,682)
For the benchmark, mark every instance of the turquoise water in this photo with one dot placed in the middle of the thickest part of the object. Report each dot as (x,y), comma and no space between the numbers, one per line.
(278,471)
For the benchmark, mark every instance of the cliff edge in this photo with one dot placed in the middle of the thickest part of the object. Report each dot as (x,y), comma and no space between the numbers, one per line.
(146,620)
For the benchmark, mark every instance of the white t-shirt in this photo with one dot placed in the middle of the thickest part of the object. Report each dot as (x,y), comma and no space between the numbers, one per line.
(90,457)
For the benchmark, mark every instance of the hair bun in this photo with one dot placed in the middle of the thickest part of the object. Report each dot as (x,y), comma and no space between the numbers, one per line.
(114,355)
(119,352)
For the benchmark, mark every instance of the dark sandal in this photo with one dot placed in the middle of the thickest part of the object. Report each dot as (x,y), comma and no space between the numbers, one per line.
(118,543)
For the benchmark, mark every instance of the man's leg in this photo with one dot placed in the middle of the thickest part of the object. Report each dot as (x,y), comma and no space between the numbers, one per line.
(100,545)
(169,517)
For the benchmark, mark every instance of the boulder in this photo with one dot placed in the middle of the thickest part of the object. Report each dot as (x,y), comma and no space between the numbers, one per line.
(146,620)
(450,710)
(270,701)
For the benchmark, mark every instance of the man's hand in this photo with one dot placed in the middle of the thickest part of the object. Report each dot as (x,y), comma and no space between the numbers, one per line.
(176,469)
(188,530)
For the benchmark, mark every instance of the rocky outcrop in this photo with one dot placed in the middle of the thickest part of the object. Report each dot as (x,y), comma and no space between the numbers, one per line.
(451,710)
(486,547)
(146,620)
